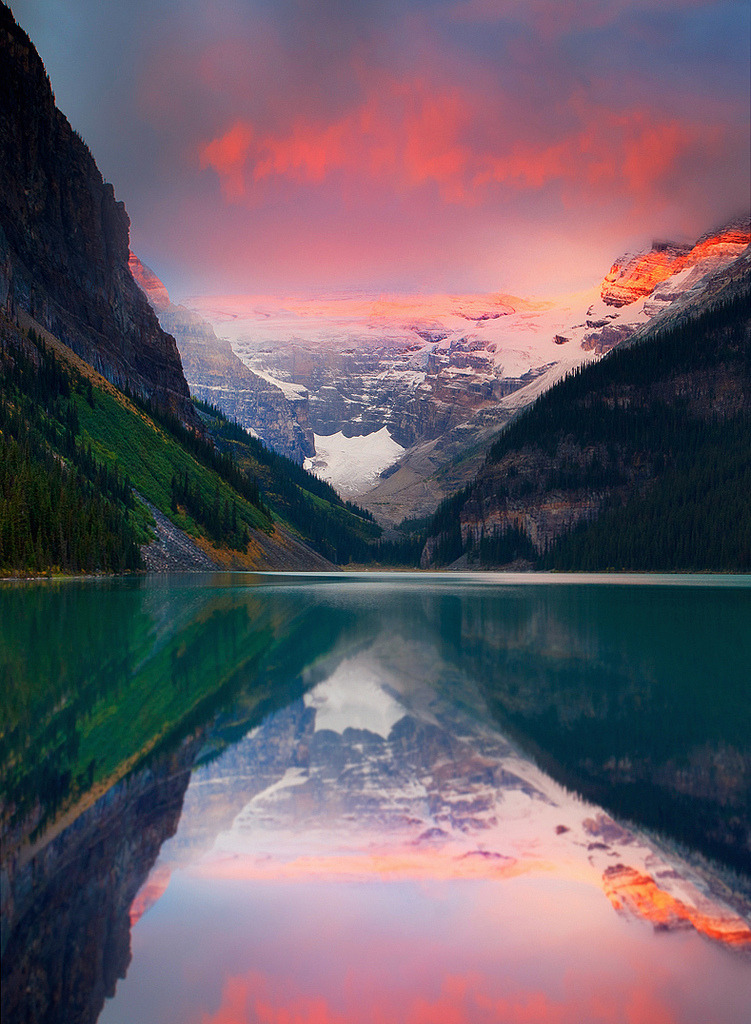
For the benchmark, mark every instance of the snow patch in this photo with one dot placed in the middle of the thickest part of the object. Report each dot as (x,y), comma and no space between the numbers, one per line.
(292,392)
(353,464)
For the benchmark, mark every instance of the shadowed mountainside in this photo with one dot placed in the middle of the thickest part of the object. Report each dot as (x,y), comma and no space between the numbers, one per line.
(64,239)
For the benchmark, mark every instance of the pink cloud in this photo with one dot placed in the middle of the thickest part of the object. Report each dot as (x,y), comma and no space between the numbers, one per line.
(629,153)
(227,155)
(408,136)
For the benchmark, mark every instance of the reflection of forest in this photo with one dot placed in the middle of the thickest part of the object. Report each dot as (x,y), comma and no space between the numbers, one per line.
(132,669)
(66,934)
(635,696)
(95,677)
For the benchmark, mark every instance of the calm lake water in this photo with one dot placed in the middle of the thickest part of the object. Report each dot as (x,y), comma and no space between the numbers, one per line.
(381,799)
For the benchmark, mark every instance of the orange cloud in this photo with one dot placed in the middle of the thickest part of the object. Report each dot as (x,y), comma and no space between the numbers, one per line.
(410,135)
(309,153)
(403,131)
(629,153)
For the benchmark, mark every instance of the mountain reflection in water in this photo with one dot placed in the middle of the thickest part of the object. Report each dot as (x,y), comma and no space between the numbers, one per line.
(404,837)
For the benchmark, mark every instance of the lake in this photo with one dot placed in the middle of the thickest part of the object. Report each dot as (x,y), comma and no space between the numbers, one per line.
(376,799)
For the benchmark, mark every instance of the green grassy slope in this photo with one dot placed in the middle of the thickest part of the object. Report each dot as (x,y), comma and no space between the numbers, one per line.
(338,529)
(65,428)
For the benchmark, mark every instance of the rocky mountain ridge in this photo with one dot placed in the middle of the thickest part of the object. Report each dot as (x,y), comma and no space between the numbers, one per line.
(656,436)
(216,375)
(64,239)
(444,373)
(636,276)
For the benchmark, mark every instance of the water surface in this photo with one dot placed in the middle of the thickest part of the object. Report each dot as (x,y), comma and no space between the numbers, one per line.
(385,798)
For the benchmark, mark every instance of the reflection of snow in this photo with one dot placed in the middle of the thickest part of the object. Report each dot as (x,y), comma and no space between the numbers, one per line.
(353,697)
(353,464)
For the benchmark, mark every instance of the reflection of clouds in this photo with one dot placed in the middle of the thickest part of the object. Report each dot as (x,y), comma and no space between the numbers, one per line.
(468,998)
(421,788)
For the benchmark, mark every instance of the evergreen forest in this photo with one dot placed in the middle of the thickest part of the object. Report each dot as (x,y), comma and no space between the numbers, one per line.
(650,448)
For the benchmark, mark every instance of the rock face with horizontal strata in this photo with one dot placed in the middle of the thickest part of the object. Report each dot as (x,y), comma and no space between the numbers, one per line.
(634,277)
(64,239)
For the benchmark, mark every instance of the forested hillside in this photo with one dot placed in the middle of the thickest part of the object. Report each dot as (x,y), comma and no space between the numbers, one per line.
(641,461)
(80,460)
(78,457)
(60,507)
(337,529)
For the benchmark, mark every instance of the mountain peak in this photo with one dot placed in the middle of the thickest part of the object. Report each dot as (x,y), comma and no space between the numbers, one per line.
(154,289)
(635,276)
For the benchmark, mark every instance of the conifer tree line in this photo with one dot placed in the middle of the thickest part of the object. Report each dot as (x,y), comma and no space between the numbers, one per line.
(59,507)
(218,517)
(339,530)
(634,431)
(206,452)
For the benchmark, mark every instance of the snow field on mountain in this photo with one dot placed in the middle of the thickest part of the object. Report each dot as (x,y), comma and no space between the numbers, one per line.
(353,464)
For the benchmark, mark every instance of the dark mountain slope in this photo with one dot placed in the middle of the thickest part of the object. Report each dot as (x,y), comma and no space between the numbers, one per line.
(217,376)
(64,239)
(645,456)
(337,529)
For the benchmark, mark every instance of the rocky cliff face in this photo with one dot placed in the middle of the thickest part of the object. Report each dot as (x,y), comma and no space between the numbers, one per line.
(653,273)
(216,375)
(64,239)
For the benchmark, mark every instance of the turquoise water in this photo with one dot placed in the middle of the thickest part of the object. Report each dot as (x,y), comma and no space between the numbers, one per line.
(378,797)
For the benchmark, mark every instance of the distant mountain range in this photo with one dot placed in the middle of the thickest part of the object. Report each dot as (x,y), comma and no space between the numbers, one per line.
(441,374)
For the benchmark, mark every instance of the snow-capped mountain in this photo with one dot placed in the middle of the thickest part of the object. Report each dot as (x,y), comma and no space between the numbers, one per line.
(383,395)
(443,373)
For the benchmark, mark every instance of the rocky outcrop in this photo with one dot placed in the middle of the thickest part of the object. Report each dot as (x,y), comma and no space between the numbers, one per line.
(172,550)
(633,277)
(64,239)
(216,375)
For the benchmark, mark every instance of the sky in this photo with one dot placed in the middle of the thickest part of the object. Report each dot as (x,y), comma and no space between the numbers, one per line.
(315,147)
